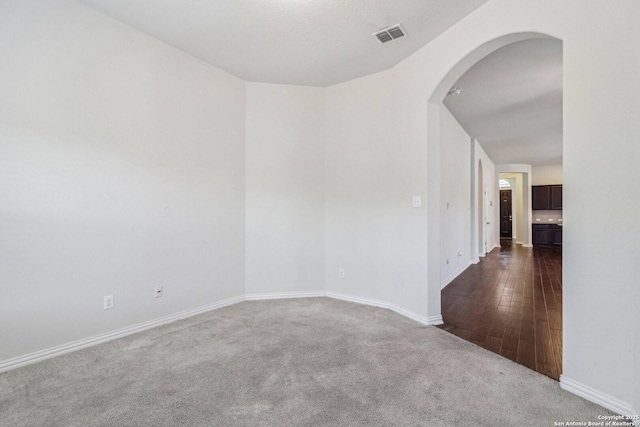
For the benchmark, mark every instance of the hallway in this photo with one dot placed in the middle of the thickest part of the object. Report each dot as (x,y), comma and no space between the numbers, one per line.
(511,303)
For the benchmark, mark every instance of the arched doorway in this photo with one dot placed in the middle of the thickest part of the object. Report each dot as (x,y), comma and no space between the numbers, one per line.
(481,173)
(433,165)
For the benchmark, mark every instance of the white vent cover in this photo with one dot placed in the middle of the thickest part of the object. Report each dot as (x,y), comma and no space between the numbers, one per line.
(390,34)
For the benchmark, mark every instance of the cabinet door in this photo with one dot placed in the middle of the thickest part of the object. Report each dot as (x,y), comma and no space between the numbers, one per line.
(541,235)
(540,197)
(556,235)
(556,197)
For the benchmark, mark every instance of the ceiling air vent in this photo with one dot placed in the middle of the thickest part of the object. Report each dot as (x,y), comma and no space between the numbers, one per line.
(390,34)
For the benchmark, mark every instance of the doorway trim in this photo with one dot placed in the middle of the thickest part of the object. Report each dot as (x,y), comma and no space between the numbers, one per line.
(524,237)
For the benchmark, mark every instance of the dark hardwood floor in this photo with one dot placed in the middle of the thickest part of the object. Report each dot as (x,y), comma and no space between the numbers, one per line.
(511,303)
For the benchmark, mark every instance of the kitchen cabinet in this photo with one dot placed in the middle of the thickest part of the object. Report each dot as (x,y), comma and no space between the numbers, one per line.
(546,235)
(540,234)
(546,197)
(555,197)
(540,195)
(555,235)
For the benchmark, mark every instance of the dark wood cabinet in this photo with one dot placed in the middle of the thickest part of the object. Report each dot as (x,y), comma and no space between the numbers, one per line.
(540,234)
(546,197)
(546,235)
(555,235)
(556,197)
(540,196)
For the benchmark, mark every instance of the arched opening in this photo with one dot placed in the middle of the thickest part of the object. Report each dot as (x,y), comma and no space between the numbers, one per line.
(484,217)
(433,165)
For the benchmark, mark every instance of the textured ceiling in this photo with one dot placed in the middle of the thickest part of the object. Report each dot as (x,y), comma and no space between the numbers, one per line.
(511,101)
(302,42)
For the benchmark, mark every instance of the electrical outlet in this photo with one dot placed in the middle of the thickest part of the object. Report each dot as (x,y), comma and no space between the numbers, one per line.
(417,202)
(109,302)
(157,291)
(341,274)
(459,254)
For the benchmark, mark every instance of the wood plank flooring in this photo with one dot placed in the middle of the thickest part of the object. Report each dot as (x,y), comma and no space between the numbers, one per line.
(511,303)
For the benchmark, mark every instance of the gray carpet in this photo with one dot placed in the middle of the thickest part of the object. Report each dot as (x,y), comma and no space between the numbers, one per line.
(303,362)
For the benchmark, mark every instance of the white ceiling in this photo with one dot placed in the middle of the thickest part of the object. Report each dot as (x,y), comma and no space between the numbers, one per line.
(511,101)
(302,42)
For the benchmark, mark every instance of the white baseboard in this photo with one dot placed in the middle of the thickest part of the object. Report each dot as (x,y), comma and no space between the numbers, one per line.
(518,242)
(496,246)
(595,396)
(567,384)
(527,245)
(48,353)
(284,295)
(475,261)
(434,320)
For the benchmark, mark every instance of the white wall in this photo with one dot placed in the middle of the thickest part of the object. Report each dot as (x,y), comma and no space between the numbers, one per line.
(455,193)
(521,224)
(121,168)
(380,133)
(285,192)
(546,175)
(491,231)
(373,168)
(103,127)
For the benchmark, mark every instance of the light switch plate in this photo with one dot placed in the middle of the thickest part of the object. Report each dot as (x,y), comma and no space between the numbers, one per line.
(109,302)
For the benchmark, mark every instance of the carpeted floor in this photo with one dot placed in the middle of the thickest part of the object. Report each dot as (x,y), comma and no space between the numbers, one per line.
(303,362)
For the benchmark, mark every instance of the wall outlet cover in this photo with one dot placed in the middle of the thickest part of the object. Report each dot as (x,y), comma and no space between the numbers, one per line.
(108,302)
